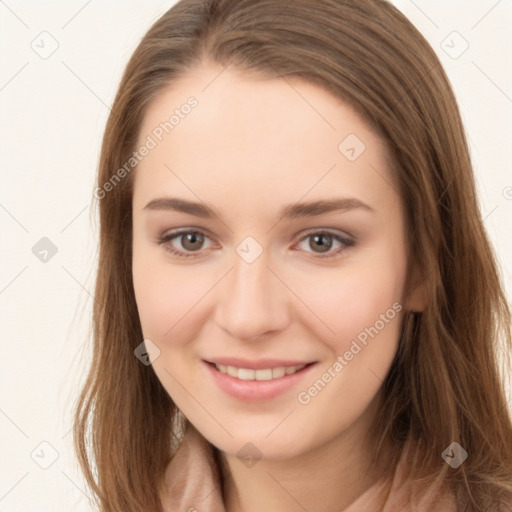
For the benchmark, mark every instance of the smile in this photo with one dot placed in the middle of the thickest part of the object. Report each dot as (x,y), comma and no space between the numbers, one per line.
(256,385)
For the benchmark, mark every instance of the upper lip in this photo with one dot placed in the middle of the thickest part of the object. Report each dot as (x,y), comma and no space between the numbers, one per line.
(256,365)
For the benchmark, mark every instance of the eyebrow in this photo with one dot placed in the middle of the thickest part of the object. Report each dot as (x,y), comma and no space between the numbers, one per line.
(290,212)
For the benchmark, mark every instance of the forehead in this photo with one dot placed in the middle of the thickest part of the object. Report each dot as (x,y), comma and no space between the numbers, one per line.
(250,134)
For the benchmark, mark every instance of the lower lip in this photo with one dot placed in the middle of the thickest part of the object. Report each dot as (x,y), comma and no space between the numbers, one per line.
(256,390)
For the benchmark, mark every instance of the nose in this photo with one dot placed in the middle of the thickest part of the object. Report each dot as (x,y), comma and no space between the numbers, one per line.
(252,300)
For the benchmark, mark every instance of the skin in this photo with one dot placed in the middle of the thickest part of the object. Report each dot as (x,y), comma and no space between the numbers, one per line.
(249,148)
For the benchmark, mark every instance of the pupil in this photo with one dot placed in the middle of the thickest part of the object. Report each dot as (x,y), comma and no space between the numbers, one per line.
(192,238)
(324,246)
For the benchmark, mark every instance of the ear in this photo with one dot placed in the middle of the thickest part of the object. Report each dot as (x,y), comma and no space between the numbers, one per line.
(416,297)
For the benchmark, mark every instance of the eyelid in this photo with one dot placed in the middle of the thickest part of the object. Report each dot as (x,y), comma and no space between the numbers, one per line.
(330,231)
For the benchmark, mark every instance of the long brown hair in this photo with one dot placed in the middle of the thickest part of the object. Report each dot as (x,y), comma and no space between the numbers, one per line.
(447,382)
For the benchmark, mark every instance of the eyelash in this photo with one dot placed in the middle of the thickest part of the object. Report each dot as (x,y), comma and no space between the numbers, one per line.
(164,241)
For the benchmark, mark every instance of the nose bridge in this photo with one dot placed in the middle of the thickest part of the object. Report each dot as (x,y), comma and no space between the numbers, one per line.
(252,300)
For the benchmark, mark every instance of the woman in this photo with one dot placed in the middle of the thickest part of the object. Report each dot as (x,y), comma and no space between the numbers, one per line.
(238,367)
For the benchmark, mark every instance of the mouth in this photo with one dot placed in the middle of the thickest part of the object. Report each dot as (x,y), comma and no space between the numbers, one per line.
(257,385)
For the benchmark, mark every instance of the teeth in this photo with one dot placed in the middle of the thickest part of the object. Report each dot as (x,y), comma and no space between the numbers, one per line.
(278,372)
(244,374)
(265,374)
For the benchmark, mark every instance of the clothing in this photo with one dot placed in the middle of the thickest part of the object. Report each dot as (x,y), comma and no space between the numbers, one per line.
(193,484)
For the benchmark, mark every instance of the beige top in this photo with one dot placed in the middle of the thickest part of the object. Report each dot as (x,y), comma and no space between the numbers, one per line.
(193,484)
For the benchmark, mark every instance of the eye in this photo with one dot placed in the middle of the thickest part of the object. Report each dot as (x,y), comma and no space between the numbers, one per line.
(191,241)
(324,241)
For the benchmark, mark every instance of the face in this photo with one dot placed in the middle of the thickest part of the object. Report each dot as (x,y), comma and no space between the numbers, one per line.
(251,279)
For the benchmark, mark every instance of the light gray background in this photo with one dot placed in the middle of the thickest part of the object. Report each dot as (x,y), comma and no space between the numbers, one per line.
(53,111)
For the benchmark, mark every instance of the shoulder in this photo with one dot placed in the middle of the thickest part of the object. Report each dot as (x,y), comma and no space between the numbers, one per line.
(191,476)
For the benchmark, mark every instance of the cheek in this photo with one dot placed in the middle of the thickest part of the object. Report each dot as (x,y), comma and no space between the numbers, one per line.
(364,310)
(168,299)
(352,300)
